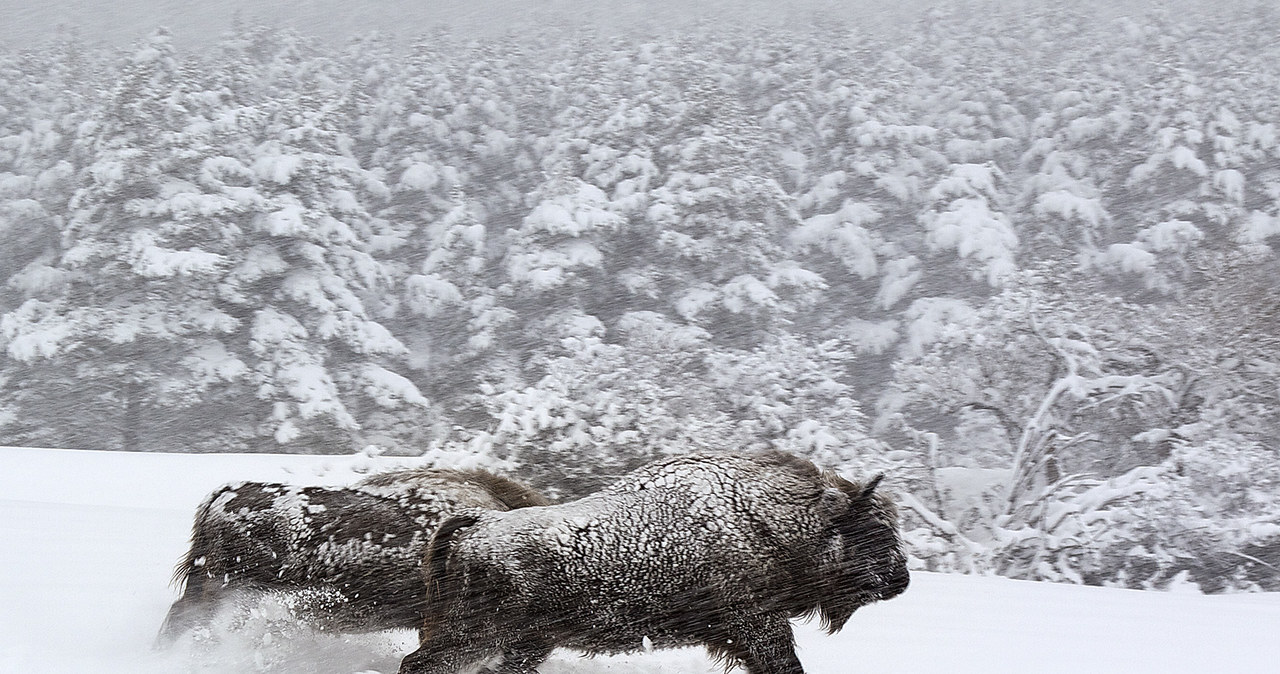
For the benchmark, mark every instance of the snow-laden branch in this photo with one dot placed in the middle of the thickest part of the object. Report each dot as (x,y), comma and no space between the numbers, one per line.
(942,526)
(1038,433)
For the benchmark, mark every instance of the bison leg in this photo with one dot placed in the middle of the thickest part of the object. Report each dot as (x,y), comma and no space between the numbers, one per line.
(445,652)
(763,644)
(523,657)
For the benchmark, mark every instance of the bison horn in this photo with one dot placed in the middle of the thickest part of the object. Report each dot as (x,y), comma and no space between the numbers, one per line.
(871,486)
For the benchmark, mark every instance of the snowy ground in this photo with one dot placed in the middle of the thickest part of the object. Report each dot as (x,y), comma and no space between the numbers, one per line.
(88,541)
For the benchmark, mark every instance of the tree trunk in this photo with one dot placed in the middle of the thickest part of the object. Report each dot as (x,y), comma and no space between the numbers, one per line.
(132,415)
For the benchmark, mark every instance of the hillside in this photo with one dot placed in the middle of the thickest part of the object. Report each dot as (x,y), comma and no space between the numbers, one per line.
(91,538)
(1019,257)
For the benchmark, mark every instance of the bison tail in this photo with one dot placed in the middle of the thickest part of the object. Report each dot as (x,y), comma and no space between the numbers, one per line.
(442,587)
(434,567)
(190,578)
(202,535)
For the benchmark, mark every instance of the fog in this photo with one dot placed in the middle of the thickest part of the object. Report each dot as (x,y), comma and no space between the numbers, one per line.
(118,22)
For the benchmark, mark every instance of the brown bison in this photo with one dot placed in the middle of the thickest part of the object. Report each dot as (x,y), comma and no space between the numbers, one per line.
(711,549)
(353,555)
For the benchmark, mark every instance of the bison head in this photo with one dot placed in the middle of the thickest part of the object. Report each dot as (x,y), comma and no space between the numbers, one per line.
(862,559)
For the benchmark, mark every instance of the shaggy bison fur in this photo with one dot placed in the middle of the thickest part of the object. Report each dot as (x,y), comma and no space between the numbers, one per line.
(712,550)
(352,554)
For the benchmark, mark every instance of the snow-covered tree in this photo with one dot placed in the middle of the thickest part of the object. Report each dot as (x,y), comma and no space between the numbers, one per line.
(604,407)
(219,253)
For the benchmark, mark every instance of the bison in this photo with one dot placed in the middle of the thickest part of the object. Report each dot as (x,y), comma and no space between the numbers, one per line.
(711,549)
(352,555)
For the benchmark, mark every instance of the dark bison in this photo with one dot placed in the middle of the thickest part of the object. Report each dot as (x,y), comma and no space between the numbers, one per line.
(712,550)
(352,554)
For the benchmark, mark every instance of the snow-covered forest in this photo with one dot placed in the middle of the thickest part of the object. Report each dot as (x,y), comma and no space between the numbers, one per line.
(1023,261)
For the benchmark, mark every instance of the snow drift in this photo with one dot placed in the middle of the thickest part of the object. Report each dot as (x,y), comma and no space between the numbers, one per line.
(90,540)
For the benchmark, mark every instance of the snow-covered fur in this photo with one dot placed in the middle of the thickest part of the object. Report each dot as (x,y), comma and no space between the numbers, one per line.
(711,549)
(349,557)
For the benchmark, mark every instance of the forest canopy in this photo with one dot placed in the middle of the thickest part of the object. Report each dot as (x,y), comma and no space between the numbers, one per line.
(1024,262)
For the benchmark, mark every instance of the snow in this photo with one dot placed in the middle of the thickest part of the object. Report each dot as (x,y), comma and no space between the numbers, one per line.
(903,188)
(14,186)
(900,276)
(1258,227)
(271,327)
(314,391)
(1231,182)
(745,291)
(212,362)
(1184,157)
(575,214)
(419,176)
(824,190)
(91,539)
(388,389)
(430,293)
(45,340)
(153,261)
(965,180)
(287,221)
(1068,205)
(277,168)
(694,301)
(1129,257)
(548,268)
(971,228)
(1084,129)
(1176,235)
(930,318)
(843,234)
(39,278)
(872,336)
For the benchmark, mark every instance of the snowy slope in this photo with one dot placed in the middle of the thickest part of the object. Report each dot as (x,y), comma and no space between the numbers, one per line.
(90,539)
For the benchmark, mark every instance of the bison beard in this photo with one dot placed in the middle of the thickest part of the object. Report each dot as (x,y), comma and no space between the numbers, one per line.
(351,555)
(711,550)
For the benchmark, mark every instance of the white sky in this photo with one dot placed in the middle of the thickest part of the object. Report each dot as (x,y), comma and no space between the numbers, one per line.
(121,21)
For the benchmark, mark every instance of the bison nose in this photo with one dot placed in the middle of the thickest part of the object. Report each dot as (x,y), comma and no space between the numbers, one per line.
(898,583)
